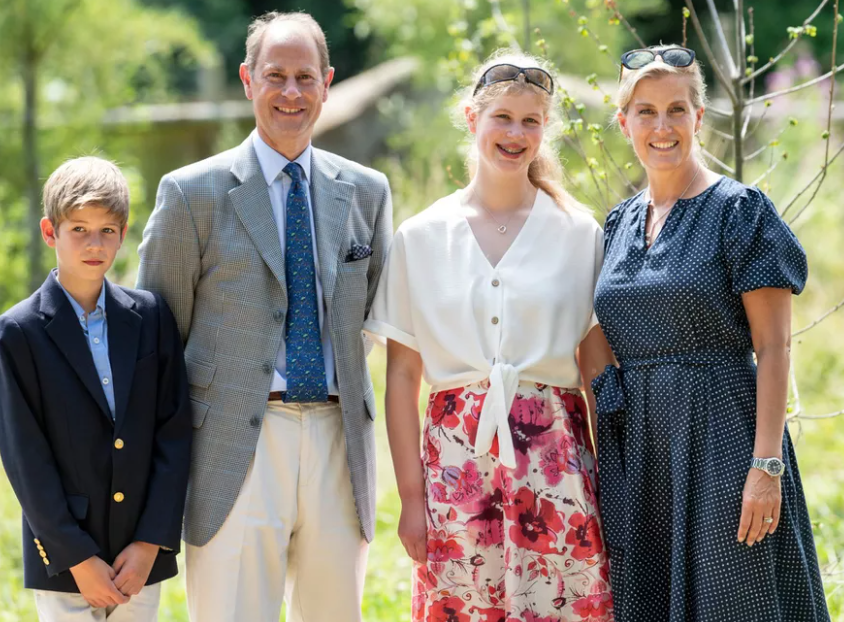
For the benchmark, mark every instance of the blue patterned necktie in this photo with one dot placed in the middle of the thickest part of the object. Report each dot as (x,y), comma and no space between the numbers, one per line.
(305,362)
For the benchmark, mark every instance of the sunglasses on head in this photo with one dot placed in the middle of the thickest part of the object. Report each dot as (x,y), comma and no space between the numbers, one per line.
(676,57)
(504,72)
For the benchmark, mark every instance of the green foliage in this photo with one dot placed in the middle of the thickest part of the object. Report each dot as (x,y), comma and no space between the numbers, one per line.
(87,56)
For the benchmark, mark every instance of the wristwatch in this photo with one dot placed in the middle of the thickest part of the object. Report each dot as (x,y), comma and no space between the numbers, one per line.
(772,466)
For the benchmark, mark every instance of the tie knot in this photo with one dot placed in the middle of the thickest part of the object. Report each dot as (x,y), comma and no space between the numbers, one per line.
(294,169)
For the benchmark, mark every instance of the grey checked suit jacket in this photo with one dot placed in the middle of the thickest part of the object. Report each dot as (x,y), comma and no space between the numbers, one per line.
(211,249)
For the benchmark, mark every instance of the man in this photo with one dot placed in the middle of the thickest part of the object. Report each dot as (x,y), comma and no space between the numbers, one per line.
(269,255)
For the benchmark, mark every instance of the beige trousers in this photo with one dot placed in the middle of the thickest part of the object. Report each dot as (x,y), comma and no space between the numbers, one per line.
(65,607)
(293,534)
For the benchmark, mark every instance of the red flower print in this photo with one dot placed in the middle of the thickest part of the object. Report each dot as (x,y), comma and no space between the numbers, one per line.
(432,453)
(487,526)
(529,616)
(575,406)
(593,605)
(529,420)
(446,407)
(442,547)
(559,458)
(465,485)
(537,522)
(584,536)
(449,609)
(490,614)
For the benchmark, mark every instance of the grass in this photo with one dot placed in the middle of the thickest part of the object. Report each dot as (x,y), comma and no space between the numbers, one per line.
(387,595)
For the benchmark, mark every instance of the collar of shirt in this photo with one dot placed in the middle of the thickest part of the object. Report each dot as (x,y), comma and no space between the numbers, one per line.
(77,308)
(273,163)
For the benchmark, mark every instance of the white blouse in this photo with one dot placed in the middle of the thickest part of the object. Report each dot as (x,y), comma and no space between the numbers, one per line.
(520,320)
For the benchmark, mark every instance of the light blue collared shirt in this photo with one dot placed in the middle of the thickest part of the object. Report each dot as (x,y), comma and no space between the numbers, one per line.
(95,329)
(272,166)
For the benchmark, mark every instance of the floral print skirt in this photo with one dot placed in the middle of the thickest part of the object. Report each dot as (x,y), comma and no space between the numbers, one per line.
(511,545)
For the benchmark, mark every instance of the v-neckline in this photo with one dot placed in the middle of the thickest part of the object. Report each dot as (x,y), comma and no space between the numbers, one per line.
(643,216)
(519,235)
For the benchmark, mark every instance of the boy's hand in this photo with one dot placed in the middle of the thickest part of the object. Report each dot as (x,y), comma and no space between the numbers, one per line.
(133,566)
(94,580)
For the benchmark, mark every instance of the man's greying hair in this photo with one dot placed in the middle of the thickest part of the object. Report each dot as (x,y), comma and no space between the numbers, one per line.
(86,181)
(259,27)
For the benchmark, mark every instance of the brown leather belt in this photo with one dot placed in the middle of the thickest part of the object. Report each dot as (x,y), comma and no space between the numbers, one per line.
(278,396)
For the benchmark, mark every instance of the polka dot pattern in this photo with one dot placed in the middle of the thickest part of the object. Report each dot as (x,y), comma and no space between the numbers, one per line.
(677,420)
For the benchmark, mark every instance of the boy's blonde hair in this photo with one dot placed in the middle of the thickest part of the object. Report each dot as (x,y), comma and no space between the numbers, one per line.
(86,181)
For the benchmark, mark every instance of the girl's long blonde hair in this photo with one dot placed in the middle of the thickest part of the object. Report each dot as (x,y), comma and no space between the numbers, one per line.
(545,172)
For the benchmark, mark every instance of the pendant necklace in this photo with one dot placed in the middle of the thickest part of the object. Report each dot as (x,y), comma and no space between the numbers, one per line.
(502,229)
(649,232)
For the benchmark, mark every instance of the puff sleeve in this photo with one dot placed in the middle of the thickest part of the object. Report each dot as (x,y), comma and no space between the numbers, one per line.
(391,314)
(760,249)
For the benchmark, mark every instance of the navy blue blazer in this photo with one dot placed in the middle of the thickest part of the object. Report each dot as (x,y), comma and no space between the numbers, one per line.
(87,484)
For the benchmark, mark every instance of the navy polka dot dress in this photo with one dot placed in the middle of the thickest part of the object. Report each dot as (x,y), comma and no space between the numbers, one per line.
(677,420)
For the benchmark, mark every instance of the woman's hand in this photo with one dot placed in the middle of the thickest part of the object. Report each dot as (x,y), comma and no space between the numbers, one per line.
(762,498)
(413,530)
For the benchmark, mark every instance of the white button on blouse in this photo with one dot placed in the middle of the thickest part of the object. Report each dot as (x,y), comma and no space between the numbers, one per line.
(520,320)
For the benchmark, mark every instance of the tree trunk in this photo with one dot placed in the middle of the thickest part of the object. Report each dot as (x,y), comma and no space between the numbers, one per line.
(30,151)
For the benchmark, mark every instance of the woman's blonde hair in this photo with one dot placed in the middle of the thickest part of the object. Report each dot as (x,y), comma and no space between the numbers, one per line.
(545,172)
(631,77)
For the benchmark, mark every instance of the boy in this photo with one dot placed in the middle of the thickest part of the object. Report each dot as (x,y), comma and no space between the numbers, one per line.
(95,425)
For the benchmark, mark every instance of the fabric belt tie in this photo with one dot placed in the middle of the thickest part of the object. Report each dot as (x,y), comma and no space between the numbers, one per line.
(495,414)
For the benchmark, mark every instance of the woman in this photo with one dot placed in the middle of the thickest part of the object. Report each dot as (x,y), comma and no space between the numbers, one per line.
(488,292)
(698,275)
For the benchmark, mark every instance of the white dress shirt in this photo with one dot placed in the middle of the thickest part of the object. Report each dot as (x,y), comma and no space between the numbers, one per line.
(272,164)
(521,320)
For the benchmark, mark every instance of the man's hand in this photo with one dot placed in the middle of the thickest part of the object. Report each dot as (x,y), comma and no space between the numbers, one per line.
(133,566)
(94,578)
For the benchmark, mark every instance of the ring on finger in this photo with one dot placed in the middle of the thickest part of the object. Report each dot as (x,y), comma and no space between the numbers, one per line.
(768,520)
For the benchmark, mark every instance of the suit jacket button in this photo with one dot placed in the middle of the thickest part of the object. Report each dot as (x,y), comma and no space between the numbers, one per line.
(37,541)
(268,369)
(42,553)
(278,315)
(255,421)
(118,497)
(46,561)
(118,443)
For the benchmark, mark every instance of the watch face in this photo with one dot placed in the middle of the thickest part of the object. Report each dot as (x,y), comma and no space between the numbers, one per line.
(775,467)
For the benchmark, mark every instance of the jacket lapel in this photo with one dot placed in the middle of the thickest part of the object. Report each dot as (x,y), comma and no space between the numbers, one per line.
(64,329)
(251,202)
(331,201)
(124,332)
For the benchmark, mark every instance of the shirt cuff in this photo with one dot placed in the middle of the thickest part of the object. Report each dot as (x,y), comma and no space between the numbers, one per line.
(380,331)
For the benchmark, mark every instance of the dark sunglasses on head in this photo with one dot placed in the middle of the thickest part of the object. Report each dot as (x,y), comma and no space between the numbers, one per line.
(504,72)
(676,57)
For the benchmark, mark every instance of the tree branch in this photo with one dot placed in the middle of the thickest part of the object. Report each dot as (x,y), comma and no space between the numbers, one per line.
(831,104)
(719,72)
(794,89)
(613,6)
(502,24)
(787,49)
(712,157)
(837,413)
(722,39)
(793,200)
(819,320)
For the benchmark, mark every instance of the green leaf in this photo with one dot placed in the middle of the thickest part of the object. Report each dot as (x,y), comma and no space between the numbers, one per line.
(752,60)
(749,39)
(812,31)
(792,121)
(825,135)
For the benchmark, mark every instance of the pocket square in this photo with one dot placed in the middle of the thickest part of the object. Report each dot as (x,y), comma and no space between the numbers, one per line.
(358,252)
